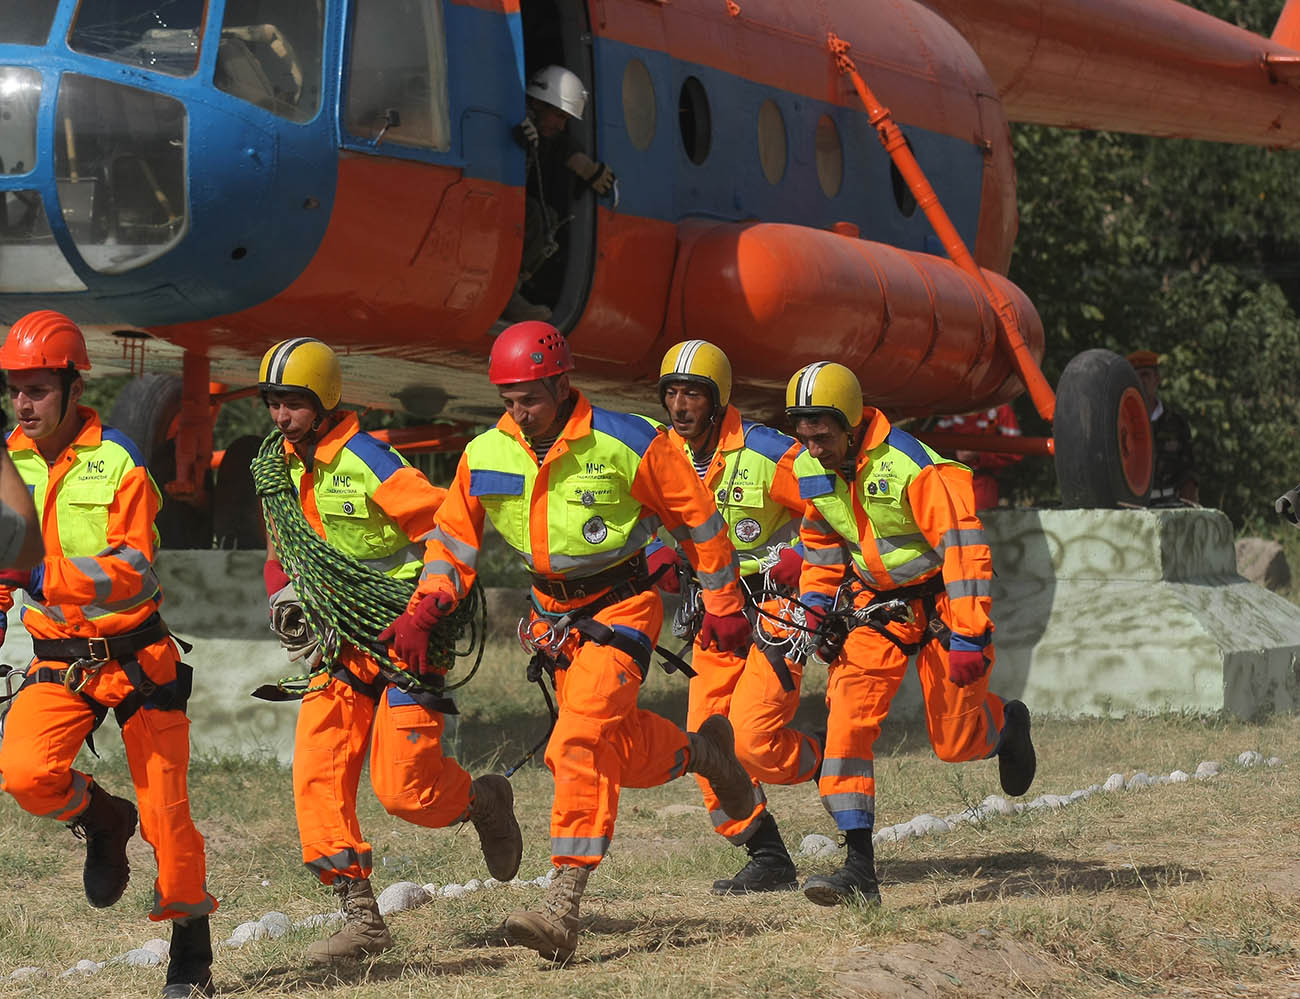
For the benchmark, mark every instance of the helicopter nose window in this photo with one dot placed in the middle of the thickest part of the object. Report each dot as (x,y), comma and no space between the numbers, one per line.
(119,162)
(270,55)
(30,260)
(20,95)
(397,80)
(26,23)
(162,35)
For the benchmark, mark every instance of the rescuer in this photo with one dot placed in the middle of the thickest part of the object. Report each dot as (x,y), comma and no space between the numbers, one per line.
(578,492)
(749,468)
(99,644)
(556,164)
(894,521)
(1173,479)
(364,500)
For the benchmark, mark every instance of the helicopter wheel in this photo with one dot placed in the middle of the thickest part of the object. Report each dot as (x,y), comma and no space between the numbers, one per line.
(145,410)
(1104,445)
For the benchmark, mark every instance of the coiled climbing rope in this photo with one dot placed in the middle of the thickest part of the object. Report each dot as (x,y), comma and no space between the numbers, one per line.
(345,600)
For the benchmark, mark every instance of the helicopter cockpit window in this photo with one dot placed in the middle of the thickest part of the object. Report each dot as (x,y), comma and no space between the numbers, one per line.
(270,55)
(161,35)
(27,23)
(397,78)
(20,97)
(30,260)
(119,165)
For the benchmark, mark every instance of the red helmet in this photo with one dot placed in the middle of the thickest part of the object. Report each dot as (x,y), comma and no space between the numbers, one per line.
(44,339)
(528,351)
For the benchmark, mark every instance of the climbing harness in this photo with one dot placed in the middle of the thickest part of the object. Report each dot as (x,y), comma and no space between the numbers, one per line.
(344,600)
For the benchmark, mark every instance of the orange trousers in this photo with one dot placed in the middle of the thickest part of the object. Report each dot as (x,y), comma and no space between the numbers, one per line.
(602,741)
(410,776)
(44,731)
(964,723)
(716,674)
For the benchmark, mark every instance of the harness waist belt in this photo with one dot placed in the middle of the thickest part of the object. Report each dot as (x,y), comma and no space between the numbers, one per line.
(628,571)
(103,648)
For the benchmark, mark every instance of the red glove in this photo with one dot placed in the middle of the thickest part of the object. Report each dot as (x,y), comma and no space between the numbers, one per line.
(409,634)
(813,617)
(730,632)
(966,666)
(275,577)
(16,579)
(787,570)
(668,556)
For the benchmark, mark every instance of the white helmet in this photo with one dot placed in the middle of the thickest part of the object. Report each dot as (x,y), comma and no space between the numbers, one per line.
(560,88)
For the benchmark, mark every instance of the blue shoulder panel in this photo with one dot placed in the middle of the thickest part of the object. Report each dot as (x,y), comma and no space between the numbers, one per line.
(379,458)
(488,482)
(812,486)
(771,444)
(124,442)
(635,431)
(910,446)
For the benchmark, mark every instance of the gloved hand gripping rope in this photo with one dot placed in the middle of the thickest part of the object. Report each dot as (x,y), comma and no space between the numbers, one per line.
(345,600)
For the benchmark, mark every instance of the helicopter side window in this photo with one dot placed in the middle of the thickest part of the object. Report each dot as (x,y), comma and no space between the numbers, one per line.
(270,55)
(161,35)
(397,77)
(27,23)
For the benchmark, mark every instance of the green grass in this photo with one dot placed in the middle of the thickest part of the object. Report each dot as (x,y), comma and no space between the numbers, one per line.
(1187,890)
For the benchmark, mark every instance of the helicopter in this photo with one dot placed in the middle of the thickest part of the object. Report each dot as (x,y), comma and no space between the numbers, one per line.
(195,180)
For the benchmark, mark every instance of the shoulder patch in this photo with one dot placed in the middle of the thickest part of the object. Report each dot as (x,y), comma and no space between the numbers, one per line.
(812,486)
(771,444)
(901,440)
(124,442)
(636,432)
(381,459)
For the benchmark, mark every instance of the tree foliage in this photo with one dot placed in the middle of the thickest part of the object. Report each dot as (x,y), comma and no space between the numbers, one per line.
(1191,249)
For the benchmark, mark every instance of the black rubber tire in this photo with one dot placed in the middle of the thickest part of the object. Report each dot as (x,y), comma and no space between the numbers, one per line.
(144,411)
(236,513)
(1103,434)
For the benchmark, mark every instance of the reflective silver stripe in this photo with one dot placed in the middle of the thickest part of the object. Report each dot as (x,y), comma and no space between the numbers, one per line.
(443,569)
(579,846)
(467,553)
(848,767)
(342,860)
(807,758)
(897,541)
(91,568)
(93,611)
(133,557)
(589,565)
(815,524)
(717,580)
(680,533)
(851,801)
(679,763)
(710,529)
(718,817)
(76,804)
(912,568)
(838,555)
(969,588)
(404,556)
(961,538)
(994,734)
(190,909)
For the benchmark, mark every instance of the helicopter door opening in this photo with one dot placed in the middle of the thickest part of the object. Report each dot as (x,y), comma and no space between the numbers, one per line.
(560,235)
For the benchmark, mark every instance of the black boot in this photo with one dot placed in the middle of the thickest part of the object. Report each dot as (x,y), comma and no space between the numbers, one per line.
(1016,759)
(854,882)
(189,960)
(770,867)
(105,824)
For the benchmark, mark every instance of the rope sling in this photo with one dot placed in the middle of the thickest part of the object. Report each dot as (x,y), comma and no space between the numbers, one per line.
(345,600)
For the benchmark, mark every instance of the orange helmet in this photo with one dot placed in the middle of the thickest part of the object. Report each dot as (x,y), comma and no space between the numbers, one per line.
(44,339)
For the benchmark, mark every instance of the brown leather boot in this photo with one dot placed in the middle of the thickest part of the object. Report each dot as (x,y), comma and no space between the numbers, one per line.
(551,928)
(492,810)
(363,931)
(713,757)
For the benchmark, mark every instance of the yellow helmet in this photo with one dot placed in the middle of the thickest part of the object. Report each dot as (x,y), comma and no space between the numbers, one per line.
(697,361)
(825,387)
(303,364)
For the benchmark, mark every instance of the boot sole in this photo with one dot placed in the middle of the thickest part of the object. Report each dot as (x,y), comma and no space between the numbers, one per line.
(792,885)
(105,902)
(725,739)
(828,895)
(516,838)
(1012,776)
(323,959)
(524,936)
